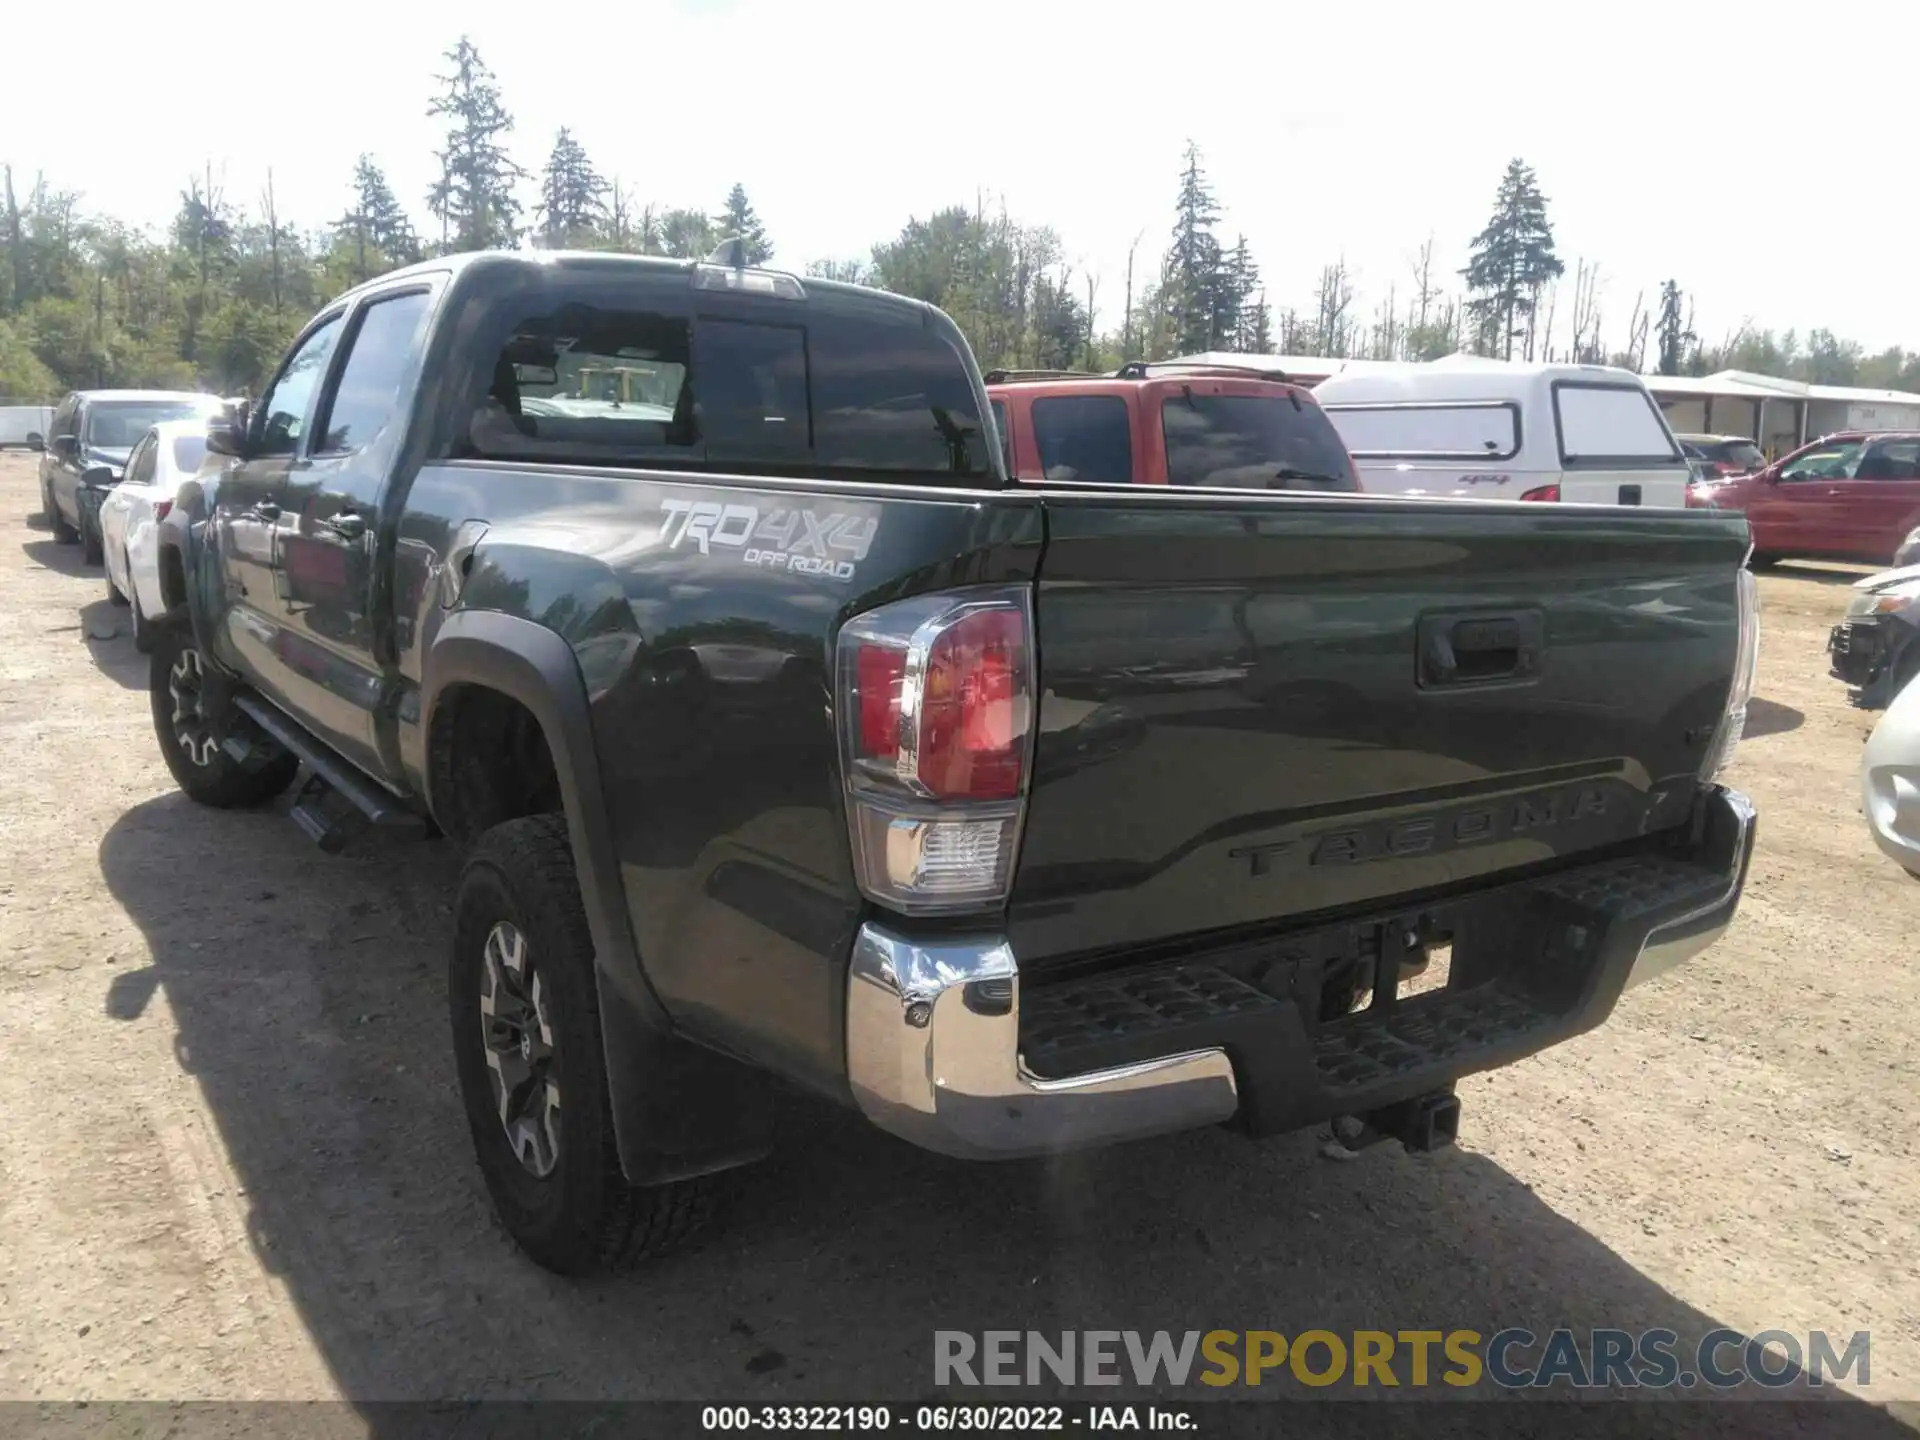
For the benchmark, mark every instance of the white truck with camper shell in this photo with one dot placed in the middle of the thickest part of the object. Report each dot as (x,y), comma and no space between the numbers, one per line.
(1498,430)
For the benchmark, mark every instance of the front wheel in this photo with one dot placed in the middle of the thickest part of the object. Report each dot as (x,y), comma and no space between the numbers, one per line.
(526,1041)
(145,632)
(190,737)
(63,533)
(93,549)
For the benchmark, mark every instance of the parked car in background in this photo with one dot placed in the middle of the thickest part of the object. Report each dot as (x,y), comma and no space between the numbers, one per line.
(167,454)
(20,425)
(1167,424)
(1872,649)
(1722,456)
(1853,495)
(1493,430)
(86,449)
(1890,782)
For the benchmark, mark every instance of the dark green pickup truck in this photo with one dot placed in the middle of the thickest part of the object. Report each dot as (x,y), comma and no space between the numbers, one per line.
(793,743)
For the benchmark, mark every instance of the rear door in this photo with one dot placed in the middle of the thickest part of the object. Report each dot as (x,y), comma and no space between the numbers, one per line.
(1247,712)
(1879,504)
(1615,447)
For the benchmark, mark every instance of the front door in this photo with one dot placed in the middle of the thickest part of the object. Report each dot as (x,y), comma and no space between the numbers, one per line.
(326,631)
(250,511)
(1801,511)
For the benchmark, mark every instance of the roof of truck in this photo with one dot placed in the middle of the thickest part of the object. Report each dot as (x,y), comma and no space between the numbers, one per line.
(1463,377)
(606,259)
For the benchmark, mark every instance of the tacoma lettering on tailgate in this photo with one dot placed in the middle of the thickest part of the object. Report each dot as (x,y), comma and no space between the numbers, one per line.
(801,539)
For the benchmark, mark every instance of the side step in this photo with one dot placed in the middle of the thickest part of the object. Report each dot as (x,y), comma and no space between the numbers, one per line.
(329,776)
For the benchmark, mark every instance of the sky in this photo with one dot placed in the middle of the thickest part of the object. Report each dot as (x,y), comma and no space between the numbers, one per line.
(1762,158)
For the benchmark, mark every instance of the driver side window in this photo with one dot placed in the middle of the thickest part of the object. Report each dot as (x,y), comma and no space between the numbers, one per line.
(283,410)
(1829,462)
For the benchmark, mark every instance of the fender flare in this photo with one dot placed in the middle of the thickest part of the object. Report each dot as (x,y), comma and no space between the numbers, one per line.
(679,1109)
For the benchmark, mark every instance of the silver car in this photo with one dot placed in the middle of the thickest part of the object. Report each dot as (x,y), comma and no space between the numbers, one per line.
(1890,781)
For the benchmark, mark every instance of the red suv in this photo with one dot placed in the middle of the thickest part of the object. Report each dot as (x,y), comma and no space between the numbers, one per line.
(1168,424)
(1848,496)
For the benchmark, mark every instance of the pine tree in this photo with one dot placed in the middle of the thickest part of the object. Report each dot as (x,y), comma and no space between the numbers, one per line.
(1510,260)
(573,205)
(375,228)
(1676,334)
(1194,280)
(473,198)
(738,219)
(1237,314)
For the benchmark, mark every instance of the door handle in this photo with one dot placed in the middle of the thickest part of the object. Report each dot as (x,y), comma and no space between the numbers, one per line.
(348,524)
(1479,648)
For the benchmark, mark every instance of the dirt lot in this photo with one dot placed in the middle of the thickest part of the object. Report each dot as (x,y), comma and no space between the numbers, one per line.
(232,1162)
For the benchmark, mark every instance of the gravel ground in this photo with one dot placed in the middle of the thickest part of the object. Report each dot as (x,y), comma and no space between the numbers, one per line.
(232,1163)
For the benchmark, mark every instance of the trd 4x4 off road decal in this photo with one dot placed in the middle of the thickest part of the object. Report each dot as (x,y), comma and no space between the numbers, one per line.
(803,540)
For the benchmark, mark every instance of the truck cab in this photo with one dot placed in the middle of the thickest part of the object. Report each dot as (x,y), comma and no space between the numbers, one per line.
(1167,424)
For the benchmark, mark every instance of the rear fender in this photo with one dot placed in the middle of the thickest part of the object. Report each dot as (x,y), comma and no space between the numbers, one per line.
(679,1109)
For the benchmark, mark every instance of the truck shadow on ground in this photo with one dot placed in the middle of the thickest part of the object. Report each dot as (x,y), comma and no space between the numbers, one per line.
(308,1000)
(1768,717)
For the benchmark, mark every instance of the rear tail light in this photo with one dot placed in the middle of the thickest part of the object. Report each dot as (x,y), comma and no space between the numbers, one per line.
(1543,492)
(935,703)
(161,509)
(1746,660)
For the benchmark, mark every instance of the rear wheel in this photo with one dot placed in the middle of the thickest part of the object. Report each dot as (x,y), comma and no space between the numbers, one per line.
(114,597)
(189,737)
(62,531)
(526,1040)
(1762,561)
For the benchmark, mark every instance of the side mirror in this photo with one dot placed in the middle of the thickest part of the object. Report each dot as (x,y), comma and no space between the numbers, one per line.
(66,446)
(97,475)
(227,434)
(36,441)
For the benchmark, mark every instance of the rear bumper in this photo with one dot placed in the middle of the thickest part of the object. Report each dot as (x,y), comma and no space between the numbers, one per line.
(938,1054)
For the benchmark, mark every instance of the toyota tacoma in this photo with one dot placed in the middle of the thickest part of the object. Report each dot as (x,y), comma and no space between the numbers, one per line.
(789,741)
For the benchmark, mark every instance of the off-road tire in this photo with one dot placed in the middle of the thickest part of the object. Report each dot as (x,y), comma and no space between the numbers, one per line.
(217,780)
(582,1216)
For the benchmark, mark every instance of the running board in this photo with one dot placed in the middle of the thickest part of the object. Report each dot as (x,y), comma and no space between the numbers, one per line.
(379,808)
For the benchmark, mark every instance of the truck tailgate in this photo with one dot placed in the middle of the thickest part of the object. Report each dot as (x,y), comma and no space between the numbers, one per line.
(1266,707)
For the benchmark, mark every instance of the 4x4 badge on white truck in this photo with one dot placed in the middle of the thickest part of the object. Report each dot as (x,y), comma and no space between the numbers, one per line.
(779,537)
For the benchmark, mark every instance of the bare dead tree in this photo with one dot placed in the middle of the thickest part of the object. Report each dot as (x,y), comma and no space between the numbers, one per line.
(1093,290)
(1126,322)
(1636,351)
(272,213)
(1332,301)
(1546,330)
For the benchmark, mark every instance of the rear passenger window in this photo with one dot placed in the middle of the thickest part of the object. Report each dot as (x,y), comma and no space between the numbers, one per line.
(799,390)
(1609,424)
(1253,442)
(1891,460)
(377,370)
(1421,432)
(1084,437)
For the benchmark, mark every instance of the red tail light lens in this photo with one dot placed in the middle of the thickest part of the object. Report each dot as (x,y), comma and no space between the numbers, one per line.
(161,509)
(1543,492)
(936,699)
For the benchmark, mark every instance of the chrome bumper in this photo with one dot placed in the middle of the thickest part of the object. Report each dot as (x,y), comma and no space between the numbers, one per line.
(1674,942)
(933,1031)
(933,1054)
